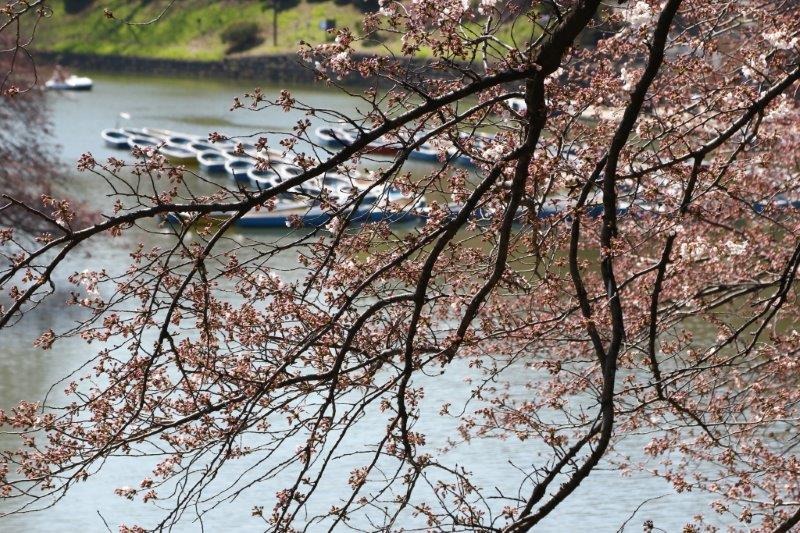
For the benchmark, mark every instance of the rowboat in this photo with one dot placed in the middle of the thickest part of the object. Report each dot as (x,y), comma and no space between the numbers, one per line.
(334,137)
(160,132)
(212,161)
(135,131)
(234,153)
(143,141)
(517,105)
(287,169)
(339,137)
(204,146)
(289,213)
(237,167)
(180,141)
(71,83)
(115,138)
(316,217)
(173,153)
(780,202)
(262,179)
(232,150)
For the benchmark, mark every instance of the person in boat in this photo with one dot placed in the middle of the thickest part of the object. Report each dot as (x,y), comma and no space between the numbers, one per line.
(60,74)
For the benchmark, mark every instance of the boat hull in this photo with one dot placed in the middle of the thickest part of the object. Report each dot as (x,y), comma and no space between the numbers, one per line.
(115,138)
(316,218)
(68,87)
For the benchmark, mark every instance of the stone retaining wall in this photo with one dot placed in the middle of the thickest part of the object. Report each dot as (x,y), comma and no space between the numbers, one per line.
(286,69)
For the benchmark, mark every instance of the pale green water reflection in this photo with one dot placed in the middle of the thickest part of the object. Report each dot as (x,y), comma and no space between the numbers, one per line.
(197,106)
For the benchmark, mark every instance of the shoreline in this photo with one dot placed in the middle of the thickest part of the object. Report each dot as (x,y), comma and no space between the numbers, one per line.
(272,69)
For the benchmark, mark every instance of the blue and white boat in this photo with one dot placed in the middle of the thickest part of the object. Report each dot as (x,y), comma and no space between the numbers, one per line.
(237,167)
(262,179)
(143,141)
(316,217)
(181,140)
(517,105)
(70,83)
(288,170)
(205,146)
(115,138)
(136,131)
(334,137)
(293,210)
(212,161)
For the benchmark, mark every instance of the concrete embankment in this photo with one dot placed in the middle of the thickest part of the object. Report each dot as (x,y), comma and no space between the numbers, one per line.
(279,69)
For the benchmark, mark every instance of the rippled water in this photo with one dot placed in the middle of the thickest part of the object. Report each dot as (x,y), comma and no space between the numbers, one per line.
(602,503)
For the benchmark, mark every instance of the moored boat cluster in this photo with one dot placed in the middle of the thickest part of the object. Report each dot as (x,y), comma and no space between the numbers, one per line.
(313,202)
(418,148)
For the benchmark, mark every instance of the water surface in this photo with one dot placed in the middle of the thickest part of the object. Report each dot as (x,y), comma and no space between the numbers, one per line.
(602,503)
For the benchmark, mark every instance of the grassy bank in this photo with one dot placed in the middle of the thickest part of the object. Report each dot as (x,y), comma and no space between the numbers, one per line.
(189,29)
(192,29)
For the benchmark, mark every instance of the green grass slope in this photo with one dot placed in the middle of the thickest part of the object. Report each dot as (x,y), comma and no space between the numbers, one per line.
(188,30)
(191,29)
